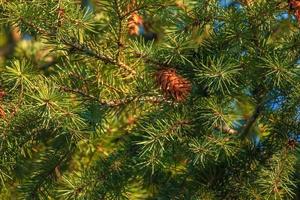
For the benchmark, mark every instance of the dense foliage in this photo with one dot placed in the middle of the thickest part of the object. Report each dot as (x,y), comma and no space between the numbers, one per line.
(149,99)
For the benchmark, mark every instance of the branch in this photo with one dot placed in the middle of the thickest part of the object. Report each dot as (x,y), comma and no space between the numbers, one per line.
(157,6)
(116,102)
(152,61)
(81,48)
(252,119)
(90,52)
(37,28)
(44,176)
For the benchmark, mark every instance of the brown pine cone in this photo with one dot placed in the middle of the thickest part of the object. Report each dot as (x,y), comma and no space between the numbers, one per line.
(173,84)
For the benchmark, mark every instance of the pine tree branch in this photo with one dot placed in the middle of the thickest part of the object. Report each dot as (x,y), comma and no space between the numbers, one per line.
(139,99)
(46,174)
(90,52)
(81,48)
(110,87)
(117,102)
(157,6)
(152,61)
(99,79)
(256,113)
(37,28)
(120,34)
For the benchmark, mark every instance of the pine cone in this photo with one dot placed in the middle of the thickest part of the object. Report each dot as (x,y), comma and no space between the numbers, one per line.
(173,84)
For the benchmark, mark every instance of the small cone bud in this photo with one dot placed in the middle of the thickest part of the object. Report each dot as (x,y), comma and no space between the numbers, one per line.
(135,22)
(2,113)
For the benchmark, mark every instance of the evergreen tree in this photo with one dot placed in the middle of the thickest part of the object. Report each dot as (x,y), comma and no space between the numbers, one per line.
(149,99)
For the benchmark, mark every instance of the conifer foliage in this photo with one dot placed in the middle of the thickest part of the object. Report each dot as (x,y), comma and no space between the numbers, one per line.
(149,99)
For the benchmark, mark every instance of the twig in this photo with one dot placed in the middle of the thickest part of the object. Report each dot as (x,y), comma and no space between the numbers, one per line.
(152,61)
(81,48)
(105,59)
(158,6)
(116,102)
(252,119)
(38,29)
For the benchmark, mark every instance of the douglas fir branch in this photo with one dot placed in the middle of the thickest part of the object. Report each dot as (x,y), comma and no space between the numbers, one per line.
(149,99)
